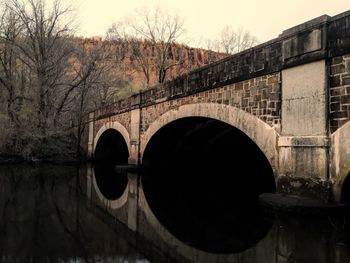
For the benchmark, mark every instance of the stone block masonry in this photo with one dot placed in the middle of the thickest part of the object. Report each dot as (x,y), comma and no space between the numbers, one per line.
(339,91)
(259,96)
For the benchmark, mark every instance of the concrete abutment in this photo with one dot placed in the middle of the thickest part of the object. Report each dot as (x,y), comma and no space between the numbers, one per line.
(304,142)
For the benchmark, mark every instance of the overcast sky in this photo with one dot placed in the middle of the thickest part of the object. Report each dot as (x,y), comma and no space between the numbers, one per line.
(265,19)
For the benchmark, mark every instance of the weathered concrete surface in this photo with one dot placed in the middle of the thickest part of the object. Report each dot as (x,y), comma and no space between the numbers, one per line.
(304,186)
(134,136)
(304,100)
(340,154)
(300,45)
(303,146)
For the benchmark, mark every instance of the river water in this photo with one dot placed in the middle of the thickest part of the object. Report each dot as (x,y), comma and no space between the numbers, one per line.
(45,218)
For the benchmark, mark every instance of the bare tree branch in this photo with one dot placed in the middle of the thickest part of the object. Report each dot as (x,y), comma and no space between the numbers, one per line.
(162,30)
(235,40)
(45,50)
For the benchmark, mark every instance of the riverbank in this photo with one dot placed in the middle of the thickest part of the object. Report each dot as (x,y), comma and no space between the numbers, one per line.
(55,149)
(10,159)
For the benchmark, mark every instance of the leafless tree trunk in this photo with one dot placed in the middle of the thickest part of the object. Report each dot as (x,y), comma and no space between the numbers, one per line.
(142,59)
(10,68)
(88,78)
(44,50)
(42,63)
(162,30)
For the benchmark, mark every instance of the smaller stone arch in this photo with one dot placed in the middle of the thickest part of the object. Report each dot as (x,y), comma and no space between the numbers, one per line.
(110,186)
(258,131)
(116,126)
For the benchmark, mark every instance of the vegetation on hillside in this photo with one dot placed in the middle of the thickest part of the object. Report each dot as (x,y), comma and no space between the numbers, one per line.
(50,79)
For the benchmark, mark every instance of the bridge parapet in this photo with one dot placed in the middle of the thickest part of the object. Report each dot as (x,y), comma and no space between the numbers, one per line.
(339,34)
(321,38)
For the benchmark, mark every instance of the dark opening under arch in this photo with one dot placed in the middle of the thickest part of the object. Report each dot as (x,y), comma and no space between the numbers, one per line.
(111,150)
(202,179)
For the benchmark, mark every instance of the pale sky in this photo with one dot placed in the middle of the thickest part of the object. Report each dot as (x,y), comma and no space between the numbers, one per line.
(265,19)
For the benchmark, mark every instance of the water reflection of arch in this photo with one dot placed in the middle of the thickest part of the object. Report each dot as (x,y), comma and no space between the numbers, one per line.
(198,255)
(113,204)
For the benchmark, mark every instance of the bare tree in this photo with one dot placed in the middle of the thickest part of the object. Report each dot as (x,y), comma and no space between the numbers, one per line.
(12,77)
(235,40)
(116,32)
(61,76)
(142,58)
(137,52)
(90,81)
(207,44)
(44,50)
(161,29)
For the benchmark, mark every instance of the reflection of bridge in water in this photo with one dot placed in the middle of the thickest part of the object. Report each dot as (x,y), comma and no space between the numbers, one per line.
(271,118)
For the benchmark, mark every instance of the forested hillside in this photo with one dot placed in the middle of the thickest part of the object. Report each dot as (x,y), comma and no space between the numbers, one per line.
(45,92)
(50,78)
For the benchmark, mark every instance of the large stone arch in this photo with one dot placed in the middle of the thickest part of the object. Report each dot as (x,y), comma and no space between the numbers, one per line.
(116,126)
(340,164)
(260,132)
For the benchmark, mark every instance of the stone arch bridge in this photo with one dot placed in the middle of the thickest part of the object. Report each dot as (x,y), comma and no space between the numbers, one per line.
(275,117)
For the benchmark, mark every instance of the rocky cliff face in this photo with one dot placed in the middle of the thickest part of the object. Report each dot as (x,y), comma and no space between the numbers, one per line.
(135,57)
